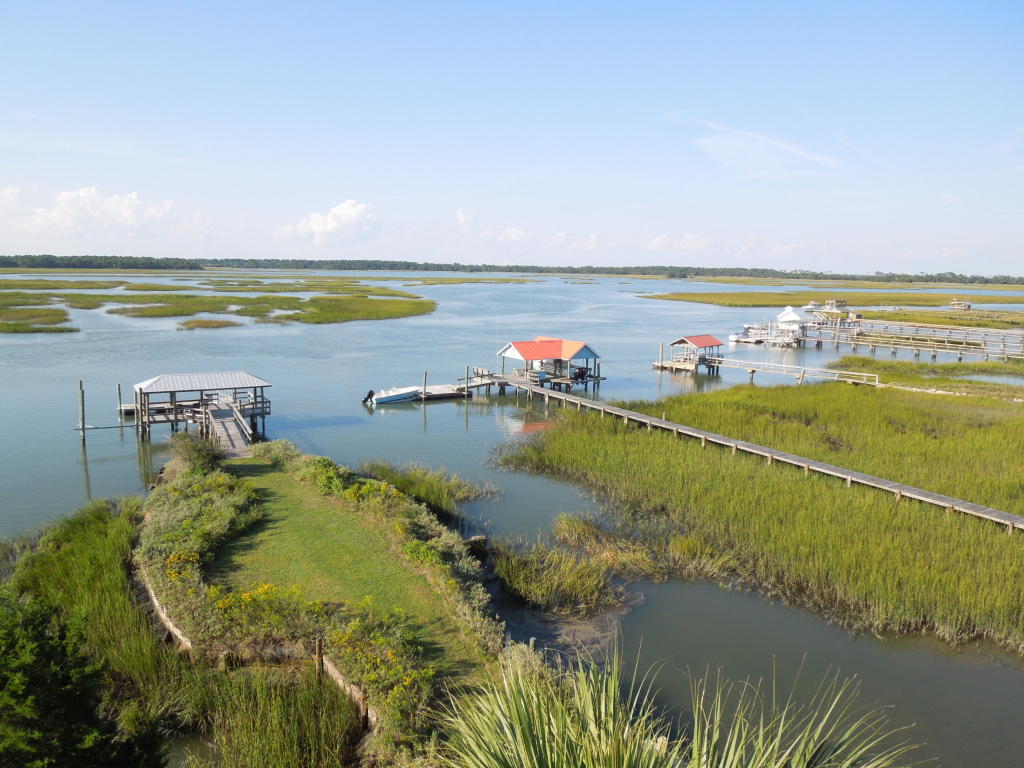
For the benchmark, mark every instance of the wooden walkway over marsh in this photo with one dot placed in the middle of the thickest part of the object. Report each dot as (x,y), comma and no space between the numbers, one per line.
(486,379)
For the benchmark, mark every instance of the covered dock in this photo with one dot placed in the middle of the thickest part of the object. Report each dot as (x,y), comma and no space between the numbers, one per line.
(691,352)
(553,362)
(229,406)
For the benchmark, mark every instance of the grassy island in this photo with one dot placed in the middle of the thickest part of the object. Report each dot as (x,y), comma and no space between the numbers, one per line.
(855,298)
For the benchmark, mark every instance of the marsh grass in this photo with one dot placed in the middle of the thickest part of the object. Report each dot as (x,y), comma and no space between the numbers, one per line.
(909,437)
(555,579)
(80,566)
(198,322)
(589,715)
(14,284)
(799,298)
(944,377)
(974,318)
(439,489)
(281,718)
(18,314)
(859,556)
(317,309)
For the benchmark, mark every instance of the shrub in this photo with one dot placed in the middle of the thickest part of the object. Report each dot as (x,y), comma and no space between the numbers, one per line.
(377,650)
(281,453)
(198,454)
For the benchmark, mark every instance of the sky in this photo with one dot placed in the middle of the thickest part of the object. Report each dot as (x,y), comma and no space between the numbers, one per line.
(847,137)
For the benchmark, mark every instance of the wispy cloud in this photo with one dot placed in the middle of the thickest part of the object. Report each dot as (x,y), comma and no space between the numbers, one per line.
(856,148)
(515,235)
(343,221)
(758,155)
(688,243)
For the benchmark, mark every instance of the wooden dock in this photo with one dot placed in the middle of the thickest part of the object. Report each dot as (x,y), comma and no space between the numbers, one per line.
(798,372)
(771,455)
(960,346)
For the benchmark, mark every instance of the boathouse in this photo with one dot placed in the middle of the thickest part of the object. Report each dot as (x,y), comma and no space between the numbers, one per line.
(554,361)
(213,401)
(691,352)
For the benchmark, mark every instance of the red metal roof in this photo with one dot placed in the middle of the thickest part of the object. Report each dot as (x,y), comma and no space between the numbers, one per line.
(700,341)
(546,348)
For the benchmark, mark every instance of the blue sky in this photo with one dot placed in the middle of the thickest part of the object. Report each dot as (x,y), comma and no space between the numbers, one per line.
(843,136)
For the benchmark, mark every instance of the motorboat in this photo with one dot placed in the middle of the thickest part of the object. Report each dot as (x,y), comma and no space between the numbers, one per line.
(810,306)
(397,395)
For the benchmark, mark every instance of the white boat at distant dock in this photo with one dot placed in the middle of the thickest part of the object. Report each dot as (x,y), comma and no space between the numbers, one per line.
(810,306)
(416,394)
(397,395)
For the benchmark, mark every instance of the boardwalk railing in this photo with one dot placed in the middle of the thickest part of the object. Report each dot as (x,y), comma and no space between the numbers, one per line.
(770,455)
(800,372)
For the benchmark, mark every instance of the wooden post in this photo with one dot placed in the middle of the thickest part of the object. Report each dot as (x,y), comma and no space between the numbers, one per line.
(423,394)
(661,352)
(120,411)
(318,655)
(849,481)
(733,449)
(81,409)
(467,382)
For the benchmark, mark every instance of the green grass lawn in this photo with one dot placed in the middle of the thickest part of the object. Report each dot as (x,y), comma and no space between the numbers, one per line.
(336,555)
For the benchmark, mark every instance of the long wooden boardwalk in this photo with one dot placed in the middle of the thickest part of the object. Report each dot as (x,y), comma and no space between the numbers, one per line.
(771,455)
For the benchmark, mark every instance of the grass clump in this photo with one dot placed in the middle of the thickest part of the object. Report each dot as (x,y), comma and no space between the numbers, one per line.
(440,490)
(283,718)
(799,298)
(555,579)
(860,556)
(593,716)
(202,322)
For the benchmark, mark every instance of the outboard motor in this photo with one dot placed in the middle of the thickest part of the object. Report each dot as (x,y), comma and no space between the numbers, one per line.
(369,397)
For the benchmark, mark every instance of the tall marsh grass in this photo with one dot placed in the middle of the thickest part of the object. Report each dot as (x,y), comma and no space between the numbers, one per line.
(271,718)
(969,451)
(592,716)
(439,489)
(554,578)
(860,555)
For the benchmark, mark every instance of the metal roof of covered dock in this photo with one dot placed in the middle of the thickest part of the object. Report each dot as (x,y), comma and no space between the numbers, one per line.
(700,341)
(199,382)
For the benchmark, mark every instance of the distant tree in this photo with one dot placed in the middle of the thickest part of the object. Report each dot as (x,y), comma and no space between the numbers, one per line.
(50,697)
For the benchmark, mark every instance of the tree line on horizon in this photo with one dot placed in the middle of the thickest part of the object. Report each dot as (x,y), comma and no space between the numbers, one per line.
(43,261)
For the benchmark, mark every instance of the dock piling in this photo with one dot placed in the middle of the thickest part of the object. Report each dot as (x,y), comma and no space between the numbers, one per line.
(81,409)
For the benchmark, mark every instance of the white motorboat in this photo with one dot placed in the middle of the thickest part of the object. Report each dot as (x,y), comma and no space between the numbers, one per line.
(397,395)
(810,306)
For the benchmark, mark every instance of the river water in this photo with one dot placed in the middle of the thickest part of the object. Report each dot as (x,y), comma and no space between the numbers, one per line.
(963,701)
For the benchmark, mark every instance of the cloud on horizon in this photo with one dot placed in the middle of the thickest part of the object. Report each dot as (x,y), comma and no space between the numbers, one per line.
(344,221)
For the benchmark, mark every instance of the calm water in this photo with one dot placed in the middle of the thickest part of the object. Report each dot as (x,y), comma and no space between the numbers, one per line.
(965,702)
